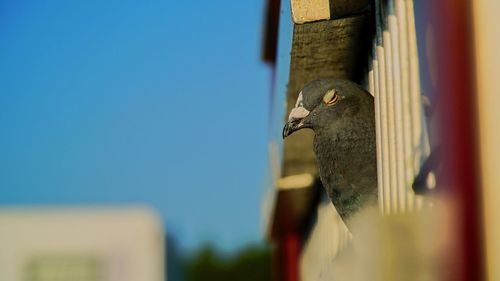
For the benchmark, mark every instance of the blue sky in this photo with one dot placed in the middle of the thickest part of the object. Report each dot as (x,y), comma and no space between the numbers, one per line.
(157,102)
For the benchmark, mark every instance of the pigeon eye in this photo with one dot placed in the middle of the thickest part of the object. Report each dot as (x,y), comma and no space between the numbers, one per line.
(330,97)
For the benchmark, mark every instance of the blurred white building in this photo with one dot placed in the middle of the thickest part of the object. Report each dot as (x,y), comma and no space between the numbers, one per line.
(81,244)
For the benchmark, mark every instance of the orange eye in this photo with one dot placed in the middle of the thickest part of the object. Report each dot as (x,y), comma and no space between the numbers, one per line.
(330,97)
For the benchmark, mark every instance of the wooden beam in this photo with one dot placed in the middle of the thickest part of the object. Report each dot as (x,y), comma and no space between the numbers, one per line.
(316,10)
(310,10)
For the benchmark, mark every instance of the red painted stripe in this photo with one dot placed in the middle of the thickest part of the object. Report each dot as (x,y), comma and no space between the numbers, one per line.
(450,25)
(287,263)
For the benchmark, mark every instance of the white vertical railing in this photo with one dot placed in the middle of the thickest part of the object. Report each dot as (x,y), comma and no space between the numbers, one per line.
(384,131)
(389,83)
(421,148)
(398,113)
(373,83)
(406,104)
(402,143)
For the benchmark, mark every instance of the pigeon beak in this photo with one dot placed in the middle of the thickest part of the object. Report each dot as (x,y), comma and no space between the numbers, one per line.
(295,121)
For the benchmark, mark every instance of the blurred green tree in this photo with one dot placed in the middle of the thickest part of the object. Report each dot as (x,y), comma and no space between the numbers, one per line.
(249,264)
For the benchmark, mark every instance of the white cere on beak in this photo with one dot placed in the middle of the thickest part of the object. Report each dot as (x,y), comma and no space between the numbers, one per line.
(298,112)
(299,102)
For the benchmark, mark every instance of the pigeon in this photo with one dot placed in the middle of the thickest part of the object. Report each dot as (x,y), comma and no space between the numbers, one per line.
(341,114)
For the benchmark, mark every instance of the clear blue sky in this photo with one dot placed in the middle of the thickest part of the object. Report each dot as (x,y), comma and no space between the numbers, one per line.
(157,102)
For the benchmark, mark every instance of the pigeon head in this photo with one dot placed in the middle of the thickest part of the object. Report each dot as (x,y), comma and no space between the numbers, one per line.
(324,101)
(341,114)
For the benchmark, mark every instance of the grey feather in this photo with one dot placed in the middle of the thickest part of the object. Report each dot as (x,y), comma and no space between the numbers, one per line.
(344,142)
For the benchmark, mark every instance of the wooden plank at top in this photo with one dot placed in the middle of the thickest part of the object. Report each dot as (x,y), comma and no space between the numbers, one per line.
(304,11)
(310,10)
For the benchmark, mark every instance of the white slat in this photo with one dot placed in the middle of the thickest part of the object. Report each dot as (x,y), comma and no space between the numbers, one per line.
(373,78)
(398,114)
(420,140)
(391,120)
(384,134)
(401,13)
